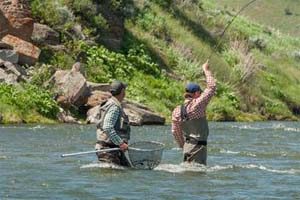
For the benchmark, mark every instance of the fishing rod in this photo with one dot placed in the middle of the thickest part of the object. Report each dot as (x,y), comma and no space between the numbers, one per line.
(89,152)
(223,33)
(227,26)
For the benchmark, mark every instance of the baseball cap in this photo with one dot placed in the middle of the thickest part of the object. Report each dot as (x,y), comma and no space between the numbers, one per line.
(192,87)
(116,87)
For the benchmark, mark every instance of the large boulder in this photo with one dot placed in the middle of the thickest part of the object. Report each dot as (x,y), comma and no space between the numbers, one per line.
(138,115)
(97,97)
(93,115)
(11,73)
(10,79)
(69,85)
(65,117)
(16,19)
(4,45)
(141,115)
(3,75)
(9,55)
(43,34)
(98,86)
(14,69)
(28,53)
(4,28)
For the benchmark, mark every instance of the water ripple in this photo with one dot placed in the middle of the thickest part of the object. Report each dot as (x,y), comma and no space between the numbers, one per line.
(186,167)
(102,165)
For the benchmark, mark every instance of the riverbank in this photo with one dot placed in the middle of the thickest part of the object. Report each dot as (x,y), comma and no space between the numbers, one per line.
(149,46)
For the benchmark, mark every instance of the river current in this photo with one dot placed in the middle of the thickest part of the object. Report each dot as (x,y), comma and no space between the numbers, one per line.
(245,161)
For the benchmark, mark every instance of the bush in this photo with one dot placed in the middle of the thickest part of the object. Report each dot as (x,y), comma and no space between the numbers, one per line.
(28,99)
(104,65)
(51,12)
(142,61)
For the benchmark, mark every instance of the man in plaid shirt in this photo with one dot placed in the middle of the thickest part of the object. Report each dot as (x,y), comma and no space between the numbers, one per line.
(113,129)
(189,124)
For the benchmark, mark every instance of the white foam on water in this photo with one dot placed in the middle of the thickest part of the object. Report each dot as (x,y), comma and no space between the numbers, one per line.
(181,168)
(194,167)
(224,151)
(229,152)
(251,154)
(277,126)
(246,127)
(292,129)
(37,127)
(190,167)
(102,165)
(261,167)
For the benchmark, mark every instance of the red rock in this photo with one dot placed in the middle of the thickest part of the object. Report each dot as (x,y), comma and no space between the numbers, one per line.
(29,53)
(16,19)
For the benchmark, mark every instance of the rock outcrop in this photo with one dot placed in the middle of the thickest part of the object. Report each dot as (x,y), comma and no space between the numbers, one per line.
(16,19)
(9,55)
(11,73)
(16,27)
(44,35)
(69,85)
(28,53)
(73,90)
(141,115)
(138,115)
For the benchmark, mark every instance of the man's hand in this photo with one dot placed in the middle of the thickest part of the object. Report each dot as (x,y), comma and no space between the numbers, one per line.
(205,66)
(123,146)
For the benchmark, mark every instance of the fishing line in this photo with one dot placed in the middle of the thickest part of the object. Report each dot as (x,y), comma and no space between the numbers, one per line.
(227,26)
(223,33)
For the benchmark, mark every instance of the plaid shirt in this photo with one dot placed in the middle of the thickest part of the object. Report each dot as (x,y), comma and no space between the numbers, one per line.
(195,109)
(110,120)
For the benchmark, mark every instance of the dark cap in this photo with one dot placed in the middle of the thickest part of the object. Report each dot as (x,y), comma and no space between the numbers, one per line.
(116,87)
(192,88)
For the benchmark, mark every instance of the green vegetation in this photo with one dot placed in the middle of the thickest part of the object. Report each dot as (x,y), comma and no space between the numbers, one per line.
(164,46)
(27,104)
(279,14)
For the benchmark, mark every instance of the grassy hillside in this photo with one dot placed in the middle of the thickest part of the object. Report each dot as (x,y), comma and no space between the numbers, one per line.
(256,71)
(283,15)
(164,46)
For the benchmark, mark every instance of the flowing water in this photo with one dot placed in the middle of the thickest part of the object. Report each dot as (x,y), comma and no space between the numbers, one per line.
(245,161)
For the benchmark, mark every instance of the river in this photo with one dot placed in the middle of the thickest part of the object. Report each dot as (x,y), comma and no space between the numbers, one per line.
(245,161)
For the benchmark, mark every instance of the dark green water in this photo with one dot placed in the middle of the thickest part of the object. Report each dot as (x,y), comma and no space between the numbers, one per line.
(245,161)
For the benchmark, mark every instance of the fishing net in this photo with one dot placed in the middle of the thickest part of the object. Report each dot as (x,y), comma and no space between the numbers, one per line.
(145,154)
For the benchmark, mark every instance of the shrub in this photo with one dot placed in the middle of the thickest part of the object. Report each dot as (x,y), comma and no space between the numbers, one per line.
(104,65)
(51,12)
(29,98)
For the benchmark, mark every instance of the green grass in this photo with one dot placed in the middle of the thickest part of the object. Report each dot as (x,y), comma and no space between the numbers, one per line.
(164,46)
(270,13)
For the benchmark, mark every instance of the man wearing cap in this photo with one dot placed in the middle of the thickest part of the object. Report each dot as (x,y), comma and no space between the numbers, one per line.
(113,129)
(189,124)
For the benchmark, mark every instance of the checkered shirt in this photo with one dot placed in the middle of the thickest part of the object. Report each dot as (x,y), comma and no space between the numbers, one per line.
(195,109)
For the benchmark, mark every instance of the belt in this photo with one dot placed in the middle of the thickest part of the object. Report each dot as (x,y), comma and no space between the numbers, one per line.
(193,141)
(107,144)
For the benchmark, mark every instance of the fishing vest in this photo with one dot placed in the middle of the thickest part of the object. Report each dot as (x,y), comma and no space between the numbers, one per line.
(194,129)
(121,127)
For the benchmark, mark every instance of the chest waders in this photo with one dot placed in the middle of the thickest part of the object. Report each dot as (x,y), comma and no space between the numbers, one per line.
(195,133)
(121,127)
